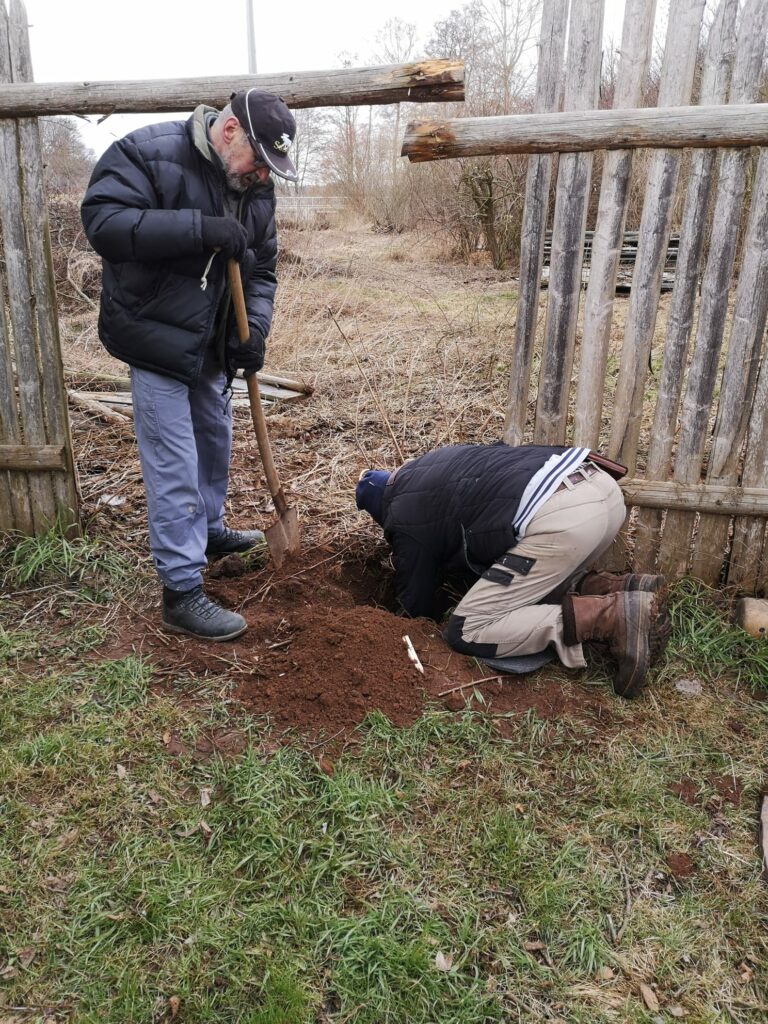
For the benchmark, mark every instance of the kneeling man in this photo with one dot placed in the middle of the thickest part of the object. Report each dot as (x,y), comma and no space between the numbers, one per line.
(528,522)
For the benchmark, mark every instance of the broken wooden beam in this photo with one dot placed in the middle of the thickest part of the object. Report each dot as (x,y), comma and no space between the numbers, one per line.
(425,81)
(648,127)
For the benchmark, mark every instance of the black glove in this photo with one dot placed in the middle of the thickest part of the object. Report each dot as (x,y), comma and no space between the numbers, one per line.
(248,355)
(225,234)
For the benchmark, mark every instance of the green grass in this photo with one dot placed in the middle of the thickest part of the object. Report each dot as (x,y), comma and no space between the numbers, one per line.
(705,640)
(55,556)
(439,874)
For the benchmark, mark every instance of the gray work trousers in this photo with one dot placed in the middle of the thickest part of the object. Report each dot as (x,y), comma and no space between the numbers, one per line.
(185,440)
(569,532)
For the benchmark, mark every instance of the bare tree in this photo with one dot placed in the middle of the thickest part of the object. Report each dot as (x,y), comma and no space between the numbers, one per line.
(68,161)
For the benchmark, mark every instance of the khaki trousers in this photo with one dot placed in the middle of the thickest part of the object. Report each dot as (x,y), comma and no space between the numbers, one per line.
(569,532)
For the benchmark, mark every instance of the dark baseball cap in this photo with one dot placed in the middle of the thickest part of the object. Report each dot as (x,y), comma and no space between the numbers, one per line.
(269,127)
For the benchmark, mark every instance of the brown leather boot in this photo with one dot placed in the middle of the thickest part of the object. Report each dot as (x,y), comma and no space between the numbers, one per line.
(596,583)
(634,624)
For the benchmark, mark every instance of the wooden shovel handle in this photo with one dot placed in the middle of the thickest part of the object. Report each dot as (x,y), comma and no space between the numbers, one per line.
(257,412)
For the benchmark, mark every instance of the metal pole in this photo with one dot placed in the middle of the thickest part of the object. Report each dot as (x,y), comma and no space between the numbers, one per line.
(251,38)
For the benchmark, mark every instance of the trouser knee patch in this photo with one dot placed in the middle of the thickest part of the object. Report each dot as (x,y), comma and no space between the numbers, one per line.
(452,634)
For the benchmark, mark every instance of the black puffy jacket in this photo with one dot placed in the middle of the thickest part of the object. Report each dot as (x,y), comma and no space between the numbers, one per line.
(143,213)
(452,509)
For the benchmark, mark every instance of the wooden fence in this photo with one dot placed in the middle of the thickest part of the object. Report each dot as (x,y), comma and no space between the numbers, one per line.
(693,425)
(37,476)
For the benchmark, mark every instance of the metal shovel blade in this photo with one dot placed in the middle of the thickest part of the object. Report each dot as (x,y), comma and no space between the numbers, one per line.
(283,538)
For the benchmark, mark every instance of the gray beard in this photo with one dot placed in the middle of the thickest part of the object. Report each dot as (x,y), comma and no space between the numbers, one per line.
(241,182)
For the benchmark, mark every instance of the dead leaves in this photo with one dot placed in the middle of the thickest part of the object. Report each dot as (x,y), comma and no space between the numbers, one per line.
(444,961)
(649,997)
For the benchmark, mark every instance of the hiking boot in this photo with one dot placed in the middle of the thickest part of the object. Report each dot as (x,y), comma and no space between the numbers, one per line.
(233,542)
(635,625)
(192,612)
(600,583)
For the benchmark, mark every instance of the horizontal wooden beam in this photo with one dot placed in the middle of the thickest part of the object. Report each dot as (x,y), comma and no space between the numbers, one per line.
(578,131)
(29,458)
(426,81)
(716,499)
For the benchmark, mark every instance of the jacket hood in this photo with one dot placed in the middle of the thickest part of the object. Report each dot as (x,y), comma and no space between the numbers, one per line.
(202,117)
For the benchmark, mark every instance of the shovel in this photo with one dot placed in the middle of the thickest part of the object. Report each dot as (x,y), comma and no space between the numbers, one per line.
(283,537)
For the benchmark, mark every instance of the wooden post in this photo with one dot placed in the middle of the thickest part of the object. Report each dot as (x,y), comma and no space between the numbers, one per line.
(715,82)
(15,504)
(663,127)
(636,38)
(573,181)
(31,296)
(551,49)
(425,81)
(676,83)
(702,373)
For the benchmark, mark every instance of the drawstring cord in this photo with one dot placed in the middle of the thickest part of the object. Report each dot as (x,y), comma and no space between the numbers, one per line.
(204,278)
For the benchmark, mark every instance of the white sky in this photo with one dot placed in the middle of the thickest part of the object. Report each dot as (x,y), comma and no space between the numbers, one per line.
(95,40)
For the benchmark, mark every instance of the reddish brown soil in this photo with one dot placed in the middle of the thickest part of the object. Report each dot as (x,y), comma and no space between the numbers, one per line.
(681,866)
(727,789)
(321,653)
(687,791)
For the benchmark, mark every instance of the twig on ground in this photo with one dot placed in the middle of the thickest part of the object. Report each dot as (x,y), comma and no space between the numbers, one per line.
(627,905)
(465,686)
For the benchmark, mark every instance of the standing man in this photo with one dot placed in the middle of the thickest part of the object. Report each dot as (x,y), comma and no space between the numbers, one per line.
(528,522)
(166,207)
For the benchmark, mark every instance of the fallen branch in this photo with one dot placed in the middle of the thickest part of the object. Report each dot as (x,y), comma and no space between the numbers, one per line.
(466,686)
(97,409)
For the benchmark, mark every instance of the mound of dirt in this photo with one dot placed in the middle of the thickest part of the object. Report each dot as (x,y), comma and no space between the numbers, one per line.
(338,665)
(321,653)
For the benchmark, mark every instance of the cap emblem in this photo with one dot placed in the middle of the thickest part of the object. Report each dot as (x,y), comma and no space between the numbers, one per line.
(283,144)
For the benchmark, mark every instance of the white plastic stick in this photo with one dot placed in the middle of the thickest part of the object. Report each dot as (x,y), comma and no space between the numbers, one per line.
(412,654)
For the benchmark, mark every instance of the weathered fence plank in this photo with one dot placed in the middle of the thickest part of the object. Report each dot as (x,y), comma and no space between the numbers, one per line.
(426,81)
(713,307)
(676,81)
(22,328)
(677,126)
(15,506)
(539,173)
(42,286)
(573,181)
(748,567)
(744,350)
(637,35)
(29,457)
(716,79)
(718,499)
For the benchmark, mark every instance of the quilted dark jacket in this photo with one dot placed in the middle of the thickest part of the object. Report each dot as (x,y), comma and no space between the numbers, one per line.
(142,213)
(452,509)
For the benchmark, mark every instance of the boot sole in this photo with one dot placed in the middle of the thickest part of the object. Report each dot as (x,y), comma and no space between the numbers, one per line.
(647,582)
(652,628)
(203,636)
(634,666)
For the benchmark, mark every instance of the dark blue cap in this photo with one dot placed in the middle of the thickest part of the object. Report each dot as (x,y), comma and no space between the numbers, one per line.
(369,493)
